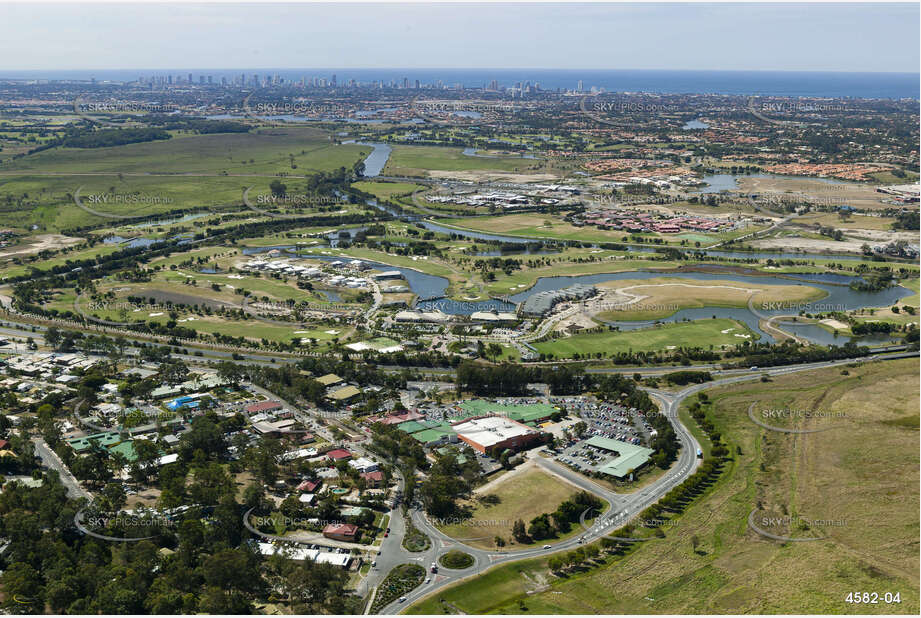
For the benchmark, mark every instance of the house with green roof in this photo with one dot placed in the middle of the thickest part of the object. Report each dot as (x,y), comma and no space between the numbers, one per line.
(126,449)
(104,439)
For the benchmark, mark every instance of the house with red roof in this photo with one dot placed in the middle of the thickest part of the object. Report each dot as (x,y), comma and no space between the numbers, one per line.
(309,486)
(263,406)
(341,532)
(338,454)
(374,479)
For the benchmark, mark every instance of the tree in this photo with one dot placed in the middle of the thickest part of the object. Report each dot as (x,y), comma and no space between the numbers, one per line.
(174,372)
(540,527)
(277,188)
(519,532)
(499,541)
(592,551)
(231,373)
(147,454)
(22,589)
(53,337)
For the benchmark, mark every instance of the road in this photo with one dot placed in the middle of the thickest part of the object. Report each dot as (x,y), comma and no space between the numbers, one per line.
(51,460)
(624,507)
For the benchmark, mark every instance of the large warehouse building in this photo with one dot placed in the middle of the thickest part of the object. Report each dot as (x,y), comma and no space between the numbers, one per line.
(495,432)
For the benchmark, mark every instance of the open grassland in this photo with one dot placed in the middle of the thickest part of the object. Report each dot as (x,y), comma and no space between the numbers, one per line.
(516,492)
(701,333)
(386,190)
(416,160)
(862,474)
(49,201)
(22,265)
(912,284)
(851,222)
(266,151)
(659,298)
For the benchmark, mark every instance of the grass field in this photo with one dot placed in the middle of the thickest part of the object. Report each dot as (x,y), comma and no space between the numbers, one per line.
(700,333)
(9,268)
(266,151)
(853,222)
(415,160)
(516,492)
(386,190)
(842,475)
(659,298)
(552,227)
(199,172)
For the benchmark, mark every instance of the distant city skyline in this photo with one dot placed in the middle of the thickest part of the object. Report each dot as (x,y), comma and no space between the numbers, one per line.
(850,37)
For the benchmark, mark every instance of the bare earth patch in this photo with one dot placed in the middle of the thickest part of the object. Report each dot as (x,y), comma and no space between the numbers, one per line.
(41,243)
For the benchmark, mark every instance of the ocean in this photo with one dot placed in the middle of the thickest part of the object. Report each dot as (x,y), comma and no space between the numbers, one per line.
(761,83)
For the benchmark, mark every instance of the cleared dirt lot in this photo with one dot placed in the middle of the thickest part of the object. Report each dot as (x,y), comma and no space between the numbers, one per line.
(41,243)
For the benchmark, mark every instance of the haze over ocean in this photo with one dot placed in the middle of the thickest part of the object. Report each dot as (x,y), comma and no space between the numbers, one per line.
(772,83)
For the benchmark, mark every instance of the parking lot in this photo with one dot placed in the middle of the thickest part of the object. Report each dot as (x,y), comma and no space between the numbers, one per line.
(605,420)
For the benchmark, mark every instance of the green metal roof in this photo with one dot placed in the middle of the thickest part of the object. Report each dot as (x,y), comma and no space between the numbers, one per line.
(630,456)
(105,440)
(127,449)
(523,413)
(430,435)
(411,426)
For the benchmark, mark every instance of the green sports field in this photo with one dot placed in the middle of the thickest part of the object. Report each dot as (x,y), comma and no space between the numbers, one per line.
(700,333)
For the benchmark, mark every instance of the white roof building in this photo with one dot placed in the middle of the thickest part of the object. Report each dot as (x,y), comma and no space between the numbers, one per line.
(490,430)
(363,464)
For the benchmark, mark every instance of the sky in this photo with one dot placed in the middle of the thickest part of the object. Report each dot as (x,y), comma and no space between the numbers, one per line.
(783,37)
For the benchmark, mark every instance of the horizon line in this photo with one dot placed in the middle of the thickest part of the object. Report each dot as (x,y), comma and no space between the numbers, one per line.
(267,68)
